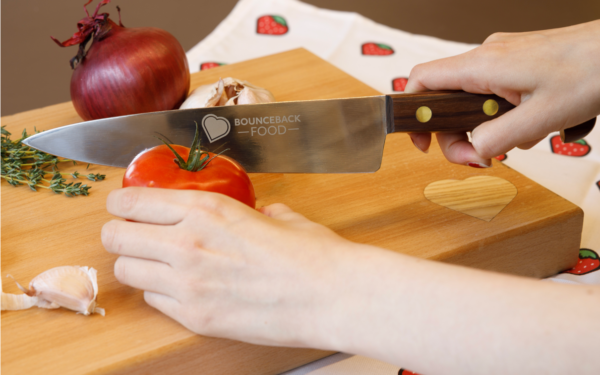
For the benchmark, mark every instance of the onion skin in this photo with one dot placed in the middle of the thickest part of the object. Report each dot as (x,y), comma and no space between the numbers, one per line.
(129,71)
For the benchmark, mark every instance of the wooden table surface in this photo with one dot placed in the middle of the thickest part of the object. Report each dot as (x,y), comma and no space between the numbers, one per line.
(536,235)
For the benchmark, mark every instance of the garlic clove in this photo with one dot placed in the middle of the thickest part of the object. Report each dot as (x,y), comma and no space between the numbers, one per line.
(74,288)
(42,303)
(198,98)
(227,91)
(255,95)
(93,275)
(216,95)
(16,301)
(71,287)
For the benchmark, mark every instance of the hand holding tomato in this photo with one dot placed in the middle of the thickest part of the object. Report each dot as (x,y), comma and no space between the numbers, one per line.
(223,269)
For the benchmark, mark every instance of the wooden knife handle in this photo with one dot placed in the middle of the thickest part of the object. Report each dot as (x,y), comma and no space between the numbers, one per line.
(457,111)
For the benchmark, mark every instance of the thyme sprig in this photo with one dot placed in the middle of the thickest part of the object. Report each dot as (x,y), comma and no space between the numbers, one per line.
(22,165)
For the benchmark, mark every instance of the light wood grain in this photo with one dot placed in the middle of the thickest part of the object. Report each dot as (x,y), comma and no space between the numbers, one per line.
(537,234)
(482,197)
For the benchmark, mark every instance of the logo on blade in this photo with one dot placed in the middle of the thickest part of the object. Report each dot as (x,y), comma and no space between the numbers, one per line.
(215,127)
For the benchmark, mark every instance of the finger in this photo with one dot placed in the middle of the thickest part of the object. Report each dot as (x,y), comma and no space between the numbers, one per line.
(149,205)
(146,275)
(422,141)
(470,72)
(160,206)
(137,240)
(281,212)
(526,123)
(275,210)
(165,304)
(503,37)
(451,73)
(497,37)
(457,149)
(528,145)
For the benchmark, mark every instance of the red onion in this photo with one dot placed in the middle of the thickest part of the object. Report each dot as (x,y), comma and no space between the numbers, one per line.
(125,70)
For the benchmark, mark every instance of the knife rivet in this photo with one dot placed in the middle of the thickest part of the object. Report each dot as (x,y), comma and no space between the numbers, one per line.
(490,107)
(423,114)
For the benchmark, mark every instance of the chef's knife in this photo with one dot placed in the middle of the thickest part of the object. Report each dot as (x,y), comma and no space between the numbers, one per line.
(319,136)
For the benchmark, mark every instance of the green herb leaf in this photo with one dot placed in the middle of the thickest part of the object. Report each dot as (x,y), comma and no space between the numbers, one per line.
(22,165)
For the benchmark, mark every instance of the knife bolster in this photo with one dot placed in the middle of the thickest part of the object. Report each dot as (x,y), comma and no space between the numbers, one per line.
(389,115)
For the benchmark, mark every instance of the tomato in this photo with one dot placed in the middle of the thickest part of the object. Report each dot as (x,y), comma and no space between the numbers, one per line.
(159,167)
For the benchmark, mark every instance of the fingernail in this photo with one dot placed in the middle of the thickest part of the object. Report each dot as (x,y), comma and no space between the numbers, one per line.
(420,149)
(477,165)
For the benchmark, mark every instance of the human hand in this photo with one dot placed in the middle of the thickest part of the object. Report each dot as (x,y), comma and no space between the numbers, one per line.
(552,76)
(223,269)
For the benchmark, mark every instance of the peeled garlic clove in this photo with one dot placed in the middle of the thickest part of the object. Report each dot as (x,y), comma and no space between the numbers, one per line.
(71,287)
(228,91)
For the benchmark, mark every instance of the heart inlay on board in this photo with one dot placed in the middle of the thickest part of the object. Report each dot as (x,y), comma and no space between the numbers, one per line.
(482,197)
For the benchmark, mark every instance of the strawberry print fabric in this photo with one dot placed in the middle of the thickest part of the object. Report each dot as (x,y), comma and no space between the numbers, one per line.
(383,57)
(271,25)
(588,263)
(577,148)
(210,65)
(376,49)
(375,54)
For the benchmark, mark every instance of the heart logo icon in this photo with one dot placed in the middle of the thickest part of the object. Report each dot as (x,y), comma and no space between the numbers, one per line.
(482,197)
(215,127)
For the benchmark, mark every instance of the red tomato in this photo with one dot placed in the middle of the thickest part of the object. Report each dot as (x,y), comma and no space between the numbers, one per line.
(158,167)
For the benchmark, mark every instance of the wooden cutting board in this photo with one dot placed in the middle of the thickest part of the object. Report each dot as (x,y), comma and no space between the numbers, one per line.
(537,234)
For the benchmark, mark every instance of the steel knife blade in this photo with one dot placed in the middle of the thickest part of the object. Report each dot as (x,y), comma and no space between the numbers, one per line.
(316,136)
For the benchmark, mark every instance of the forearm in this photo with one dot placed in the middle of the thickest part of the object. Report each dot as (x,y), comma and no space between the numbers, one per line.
(435,318)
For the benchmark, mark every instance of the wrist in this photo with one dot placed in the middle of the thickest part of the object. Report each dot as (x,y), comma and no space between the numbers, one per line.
(354,299)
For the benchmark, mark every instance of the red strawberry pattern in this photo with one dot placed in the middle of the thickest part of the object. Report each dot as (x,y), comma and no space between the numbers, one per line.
(501,157)
(578,148)
(210,65)
(399,84)
(271,25)
(598,184)
(588,262)
(406,372)
(376,49)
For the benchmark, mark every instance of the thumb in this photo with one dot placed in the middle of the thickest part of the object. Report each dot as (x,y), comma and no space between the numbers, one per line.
(276,210)
(526,123)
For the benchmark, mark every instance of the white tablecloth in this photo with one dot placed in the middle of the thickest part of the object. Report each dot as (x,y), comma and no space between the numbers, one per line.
(382,57)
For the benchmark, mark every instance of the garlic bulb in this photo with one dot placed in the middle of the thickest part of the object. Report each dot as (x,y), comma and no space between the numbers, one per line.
(228,91)
(71,287)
